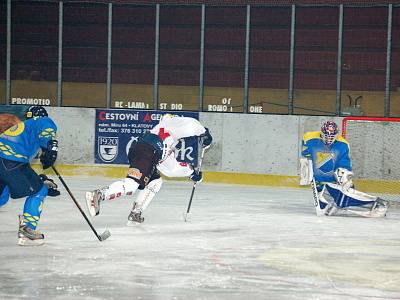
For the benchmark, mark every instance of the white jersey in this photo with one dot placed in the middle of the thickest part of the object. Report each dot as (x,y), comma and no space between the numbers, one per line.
(171,129)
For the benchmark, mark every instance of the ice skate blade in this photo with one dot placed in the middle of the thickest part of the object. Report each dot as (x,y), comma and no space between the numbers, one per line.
(28,242)
(132,223)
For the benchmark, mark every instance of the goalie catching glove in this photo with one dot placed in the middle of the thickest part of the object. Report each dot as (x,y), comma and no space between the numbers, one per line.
(49,154)
(344,178)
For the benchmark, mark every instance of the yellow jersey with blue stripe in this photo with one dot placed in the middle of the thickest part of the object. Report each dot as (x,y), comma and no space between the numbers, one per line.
(22,141)
(326,158)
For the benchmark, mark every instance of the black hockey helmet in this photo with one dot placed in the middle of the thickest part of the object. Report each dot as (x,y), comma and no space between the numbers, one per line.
(36,111)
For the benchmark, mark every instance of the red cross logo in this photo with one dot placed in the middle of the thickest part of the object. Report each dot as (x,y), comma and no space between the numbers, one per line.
(163,134)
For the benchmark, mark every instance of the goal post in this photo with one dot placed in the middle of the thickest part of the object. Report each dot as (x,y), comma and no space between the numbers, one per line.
(375,154)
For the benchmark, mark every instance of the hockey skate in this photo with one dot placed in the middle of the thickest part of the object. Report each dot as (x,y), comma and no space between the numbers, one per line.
(379,208)
(135,217)
(93,200)
(28,236)
(331,209)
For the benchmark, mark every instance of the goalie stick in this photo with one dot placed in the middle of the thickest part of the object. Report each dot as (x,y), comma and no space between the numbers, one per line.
(102,237)
(185,215)
(318,209)
(306,178)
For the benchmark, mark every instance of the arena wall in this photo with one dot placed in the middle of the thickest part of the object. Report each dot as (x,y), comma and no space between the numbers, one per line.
(250,149)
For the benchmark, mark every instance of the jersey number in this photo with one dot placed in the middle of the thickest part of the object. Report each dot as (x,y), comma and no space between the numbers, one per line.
(15,130)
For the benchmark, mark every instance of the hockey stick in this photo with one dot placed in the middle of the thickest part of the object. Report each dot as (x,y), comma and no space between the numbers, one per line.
(185,215)
(318,209)
(106,234)
(306,178)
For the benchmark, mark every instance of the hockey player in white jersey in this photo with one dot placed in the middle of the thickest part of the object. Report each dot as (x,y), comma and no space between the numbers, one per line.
(153,154)
(326,165)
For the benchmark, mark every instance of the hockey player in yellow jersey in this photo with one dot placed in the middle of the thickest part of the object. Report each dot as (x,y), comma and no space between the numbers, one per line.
(326,165)
(19,144)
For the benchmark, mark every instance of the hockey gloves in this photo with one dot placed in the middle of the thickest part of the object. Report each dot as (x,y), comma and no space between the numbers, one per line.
(49,154)
(206,139)
(197,176)
(344,178)
(51,186)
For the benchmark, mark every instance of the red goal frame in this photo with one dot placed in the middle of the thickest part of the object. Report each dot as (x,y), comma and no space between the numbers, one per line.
(366,119)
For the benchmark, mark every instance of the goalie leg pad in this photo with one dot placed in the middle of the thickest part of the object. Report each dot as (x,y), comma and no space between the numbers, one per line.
(350,197)
(326,203)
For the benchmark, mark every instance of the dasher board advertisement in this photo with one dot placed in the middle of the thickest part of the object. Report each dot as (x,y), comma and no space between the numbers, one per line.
(117,129)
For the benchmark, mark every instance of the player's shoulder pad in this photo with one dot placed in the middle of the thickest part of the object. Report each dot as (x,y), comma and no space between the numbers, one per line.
(340,138)
(45,125)
(48,122)
(311,135)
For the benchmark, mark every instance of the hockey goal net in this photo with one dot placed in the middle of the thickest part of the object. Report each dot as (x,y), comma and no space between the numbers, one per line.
(375,154)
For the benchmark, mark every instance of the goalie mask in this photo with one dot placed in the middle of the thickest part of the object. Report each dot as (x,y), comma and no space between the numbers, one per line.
(329,132)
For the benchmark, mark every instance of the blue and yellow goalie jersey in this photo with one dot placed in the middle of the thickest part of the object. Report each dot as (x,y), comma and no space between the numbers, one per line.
(326,159)
(22,141)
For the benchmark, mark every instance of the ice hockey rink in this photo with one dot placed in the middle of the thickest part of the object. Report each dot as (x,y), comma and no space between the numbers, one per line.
(241,242)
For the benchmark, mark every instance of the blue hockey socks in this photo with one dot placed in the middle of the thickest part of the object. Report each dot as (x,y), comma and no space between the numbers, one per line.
(5,196)
(33,208)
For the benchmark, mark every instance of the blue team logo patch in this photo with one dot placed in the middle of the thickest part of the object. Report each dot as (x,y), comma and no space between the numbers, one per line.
(108,148)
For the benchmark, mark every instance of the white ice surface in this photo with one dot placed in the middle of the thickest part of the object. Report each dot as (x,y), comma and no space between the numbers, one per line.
(241,243)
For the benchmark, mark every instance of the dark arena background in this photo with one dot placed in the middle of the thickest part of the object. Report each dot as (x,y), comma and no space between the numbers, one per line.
(273,57)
